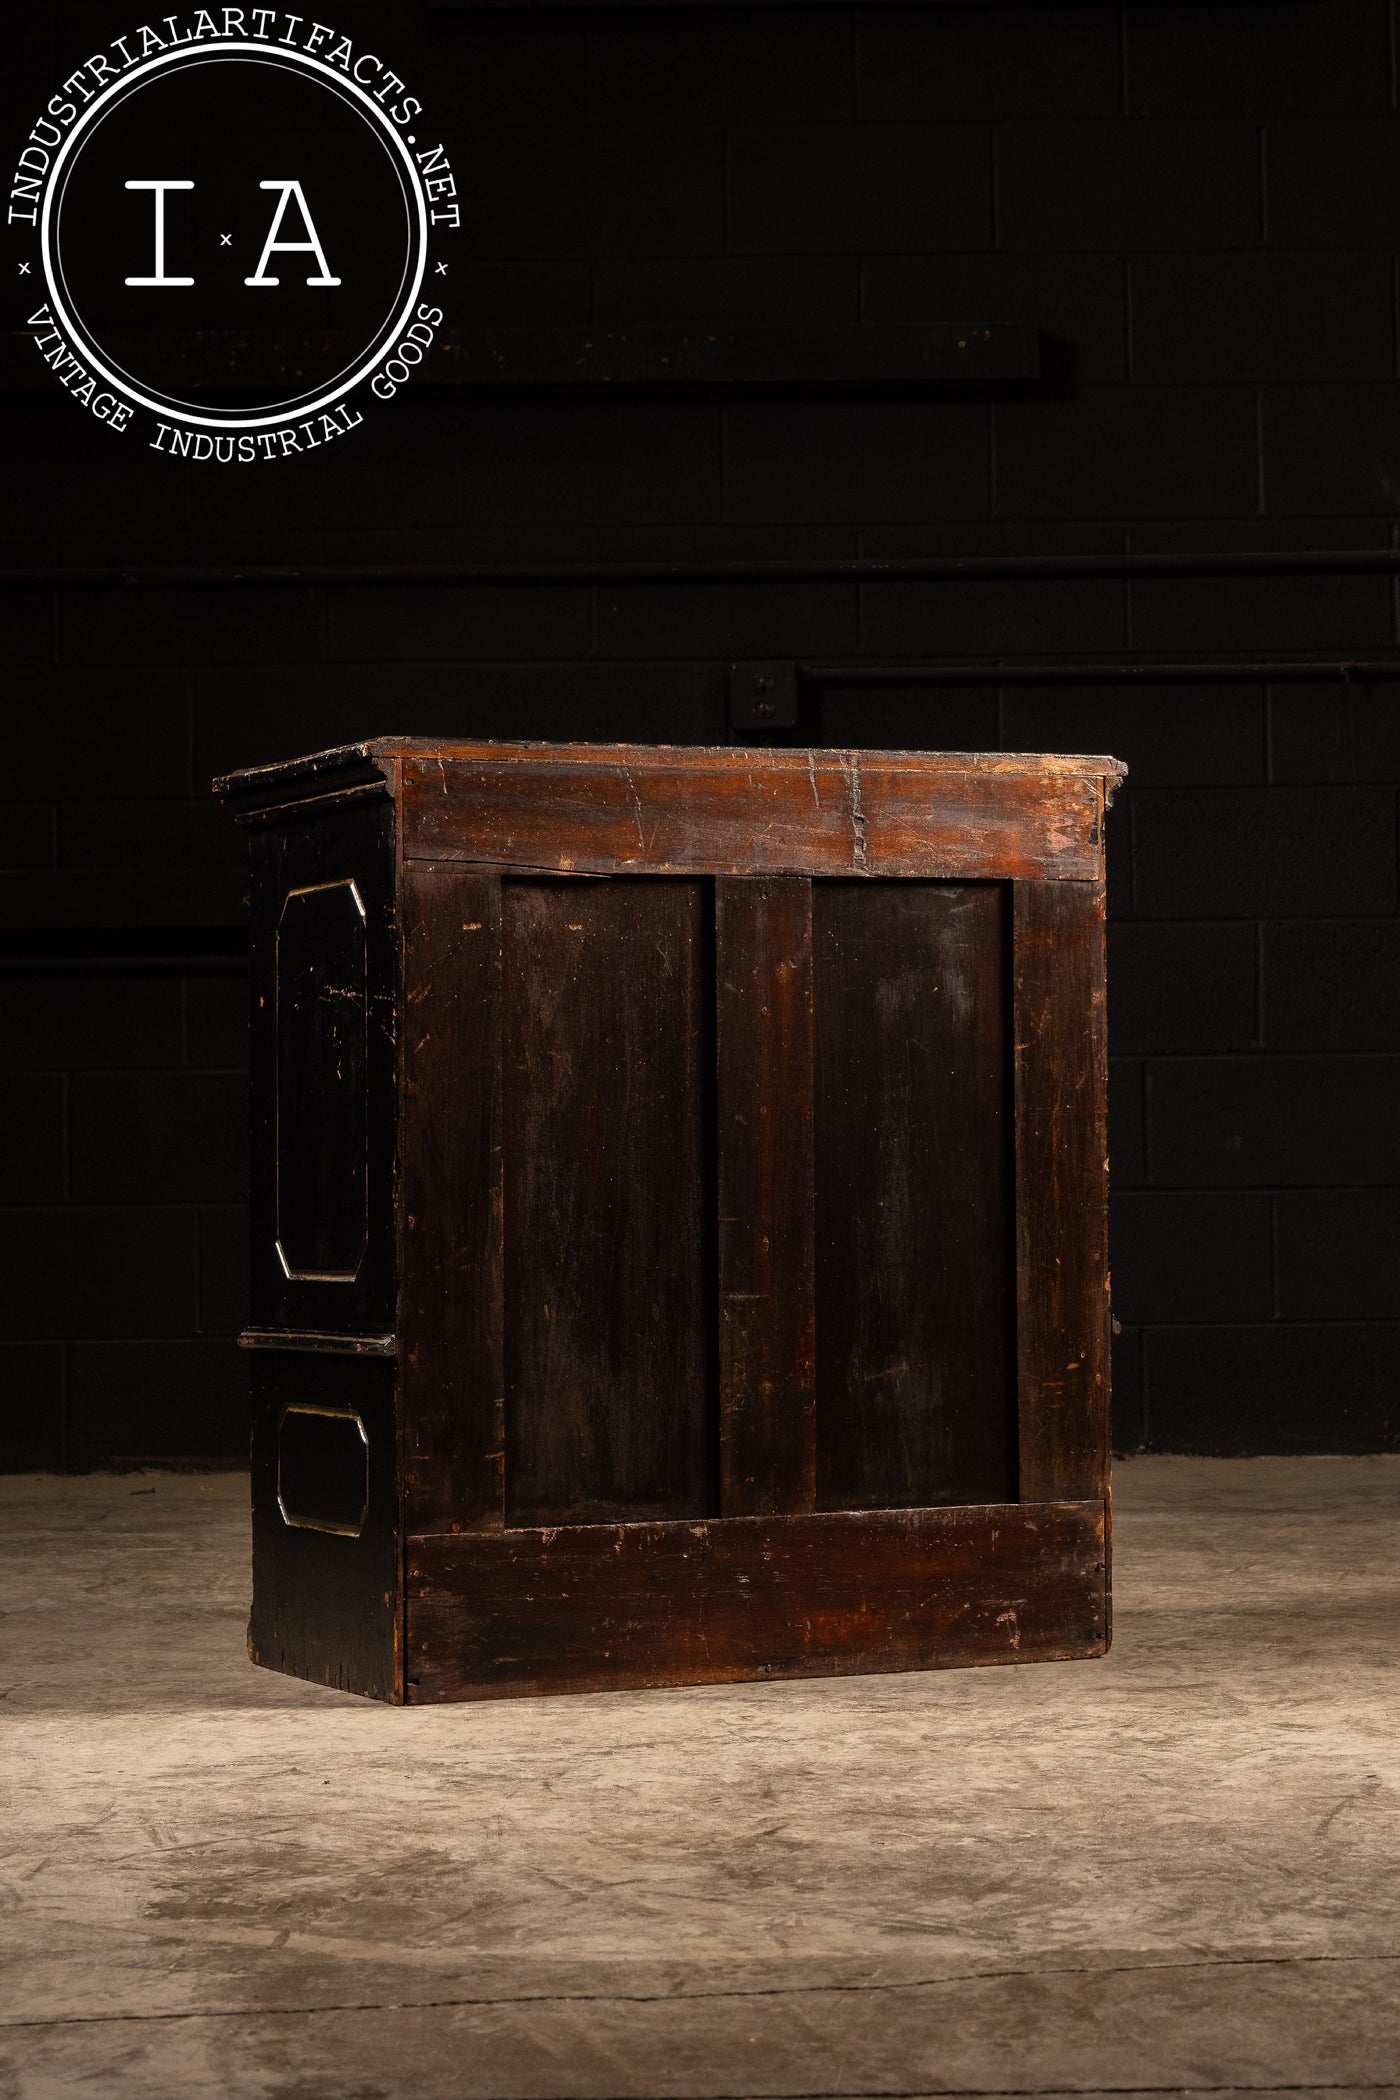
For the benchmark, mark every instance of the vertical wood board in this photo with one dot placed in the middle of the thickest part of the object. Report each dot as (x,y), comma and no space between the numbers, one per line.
(1062,1313)
(914,1283)
(452,1316)
(611,1402)
(763,977)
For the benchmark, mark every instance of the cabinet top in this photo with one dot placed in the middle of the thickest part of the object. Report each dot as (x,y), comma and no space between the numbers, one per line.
(322,772)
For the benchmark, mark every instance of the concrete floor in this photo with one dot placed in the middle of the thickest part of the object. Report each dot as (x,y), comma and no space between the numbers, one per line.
(1174,1871)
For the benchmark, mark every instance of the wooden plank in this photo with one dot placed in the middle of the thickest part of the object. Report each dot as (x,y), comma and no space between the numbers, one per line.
(915,1358)
(1062,1312)
(611,812)
(452,1380)
(763,1033)
(611,1379)
(604,1607)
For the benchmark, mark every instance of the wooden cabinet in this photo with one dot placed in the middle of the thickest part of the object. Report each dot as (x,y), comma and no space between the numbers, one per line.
(678,1226)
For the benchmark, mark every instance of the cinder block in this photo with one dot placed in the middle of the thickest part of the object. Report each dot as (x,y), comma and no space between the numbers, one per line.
(727,289)
(1266,615)
(1339,1254)
(1003,618)
(638,189)
(159,1137)
(456,623)
(145,835)
(1262,317)
(1128,185)
(28,835)
(32,1156)
(1334,733)
(903,718)
(988,62)
(592,463)
(216,1019)
(778,67)
(1181,987)
(821,189)
(1121,452)
(32,1438)
(1075,300)
(1332,449)
(105,735)
(1179,1257)
(1127,1129)
(1280,1122)
(1210,59)
(806,462)
(1333,182)
(398,468)
(1333,985)
(157,1401)
(1167,735)
(523,295)
(1129,1420)
(55,1022)
(1234,853)
(118,1269)
(223,1269)
(190,626)
(1242,1391)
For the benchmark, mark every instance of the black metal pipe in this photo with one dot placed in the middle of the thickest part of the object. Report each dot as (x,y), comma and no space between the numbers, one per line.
(1347,671)
(959,568)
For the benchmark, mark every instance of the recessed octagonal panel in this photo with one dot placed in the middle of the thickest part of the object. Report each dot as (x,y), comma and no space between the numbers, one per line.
(322,1018)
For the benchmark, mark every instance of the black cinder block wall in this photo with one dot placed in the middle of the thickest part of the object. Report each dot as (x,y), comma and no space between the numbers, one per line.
(1198,207)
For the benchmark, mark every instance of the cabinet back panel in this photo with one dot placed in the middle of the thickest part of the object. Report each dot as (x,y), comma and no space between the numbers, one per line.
(608,1055)
(914,1300)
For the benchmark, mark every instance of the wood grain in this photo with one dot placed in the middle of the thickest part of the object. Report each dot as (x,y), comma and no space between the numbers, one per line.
(706,813)
(451,1294)
(915,1357)
(611,1607)
(1062,1311)
(763,977)
(610,1310)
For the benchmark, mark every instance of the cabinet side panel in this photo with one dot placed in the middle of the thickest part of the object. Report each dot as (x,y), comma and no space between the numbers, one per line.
(915,1333)
(451,1304)
(323,1072)
(763,994)
(1061,1189)
(611,1405)
(325,1505)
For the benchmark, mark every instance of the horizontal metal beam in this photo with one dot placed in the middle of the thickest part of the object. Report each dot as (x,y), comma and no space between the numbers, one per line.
(939,568)
(1361,670)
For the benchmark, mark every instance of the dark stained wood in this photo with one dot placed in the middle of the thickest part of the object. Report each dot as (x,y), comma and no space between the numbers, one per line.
(763,1001)
(1062,1319)
(324,1076)
(709,1319)
(451,1301)
(626,811)
(326,1568)
(915,1357)
(594,1608)
(611,1400)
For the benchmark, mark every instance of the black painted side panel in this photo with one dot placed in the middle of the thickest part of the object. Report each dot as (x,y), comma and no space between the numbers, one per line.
(323,1072)
(325,1571)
